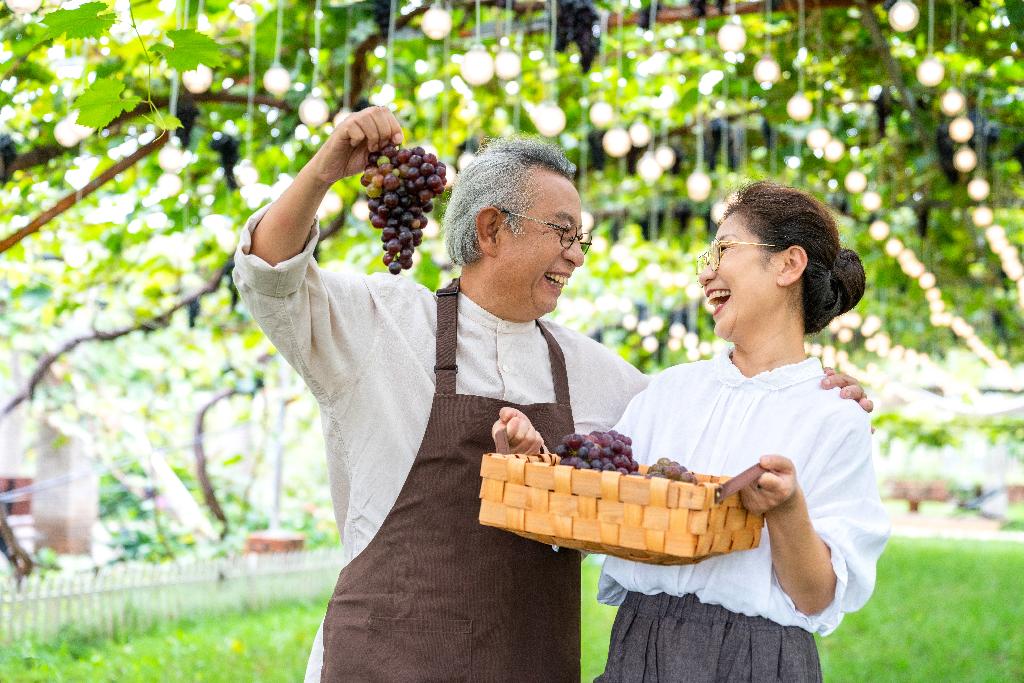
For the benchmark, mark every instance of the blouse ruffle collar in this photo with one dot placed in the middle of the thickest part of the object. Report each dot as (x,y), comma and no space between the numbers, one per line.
(771,380)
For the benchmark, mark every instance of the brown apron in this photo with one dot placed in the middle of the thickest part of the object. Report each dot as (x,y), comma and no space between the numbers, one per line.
(435,596)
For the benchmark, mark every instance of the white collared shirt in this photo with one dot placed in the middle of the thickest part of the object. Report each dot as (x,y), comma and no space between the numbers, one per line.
(713,420)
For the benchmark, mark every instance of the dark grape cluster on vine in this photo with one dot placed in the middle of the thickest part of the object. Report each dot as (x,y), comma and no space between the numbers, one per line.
(578,22)
(400,187)
(227,147)
(670,469)
(382,16)
(8,152)
(602,451)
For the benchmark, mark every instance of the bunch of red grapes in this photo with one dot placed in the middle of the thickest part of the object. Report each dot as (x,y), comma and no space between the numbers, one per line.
(604,451)
(400,187)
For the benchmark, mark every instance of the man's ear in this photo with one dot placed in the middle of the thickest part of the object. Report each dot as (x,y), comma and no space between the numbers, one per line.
(792,264)
(488,223)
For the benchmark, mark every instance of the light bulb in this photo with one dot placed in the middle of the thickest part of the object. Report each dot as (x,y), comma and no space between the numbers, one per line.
(437,22)
(477,66)
(982,216)
(507,65)
(666,156)
(698,186)
(22,7)
(767,70)
(799,107)
(68,133)
(731,37)
(171,158)
(169,184)
(361,210)
(927,280)
(246,174)
(903,16)
(616,142)
(818,137)
(878,230)
(649,168)
(978,189)
(953,102)
(277,80)
(587,221)
(855,182)
(965,160)
(639,134)
(198,80)
(961,129)
(601,114)
(341,115)
(871,201)
(930,72)
(834,150)
(718,211)
(313,111)
(549,119)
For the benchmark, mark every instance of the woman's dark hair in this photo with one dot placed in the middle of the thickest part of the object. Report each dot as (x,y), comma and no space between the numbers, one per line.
(833,281)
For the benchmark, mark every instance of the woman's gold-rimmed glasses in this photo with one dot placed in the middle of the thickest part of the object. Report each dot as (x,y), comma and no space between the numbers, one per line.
(712,256)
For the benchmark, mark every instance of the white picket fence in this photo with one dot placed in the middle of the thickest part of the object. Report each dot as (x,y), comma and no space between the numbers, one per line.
(124,597)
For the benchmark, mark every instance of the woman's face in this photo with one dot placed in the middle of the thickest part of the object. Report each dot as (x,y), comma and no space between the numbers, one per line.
(744,292)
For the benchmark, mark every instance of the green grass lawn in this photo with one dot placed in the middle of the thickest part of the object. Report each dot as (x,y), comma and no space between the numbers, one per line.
(942,611)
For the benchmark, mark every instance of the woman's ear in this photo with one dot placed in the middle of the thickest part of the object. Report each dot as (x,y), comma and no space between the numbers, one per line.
(792,264)
(488,223)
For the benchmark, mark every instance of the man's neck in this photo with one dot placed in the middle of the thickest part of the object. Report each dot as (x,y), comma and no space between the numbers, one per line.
(478,286)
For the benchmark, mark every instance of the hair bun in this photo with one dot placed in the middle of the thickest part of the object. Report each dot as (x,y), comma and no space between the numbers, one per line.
(849,273)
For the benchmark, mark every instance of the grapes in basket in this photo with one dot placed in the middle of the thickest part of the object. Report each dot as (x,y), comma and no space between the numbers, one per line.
(602,451)
(400,187)
(670,469)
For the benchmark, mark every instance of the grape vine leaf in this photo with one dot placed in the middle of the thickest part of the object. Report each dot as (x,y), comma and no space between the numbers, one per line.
(90,20)
(98,105)
(190,49)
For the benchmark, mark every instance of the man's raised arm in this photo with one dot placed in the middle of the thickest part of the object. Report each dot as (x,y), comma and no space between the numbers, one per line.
(285,227)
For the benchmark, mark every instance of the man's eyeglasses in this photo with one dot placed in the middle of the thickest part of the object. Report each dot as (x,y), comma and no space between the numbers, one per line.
(566,235)
(712,256)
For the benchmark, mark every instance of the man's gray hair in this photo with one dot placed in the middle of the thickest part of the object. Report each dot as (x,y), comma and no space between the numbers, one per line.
(499,176)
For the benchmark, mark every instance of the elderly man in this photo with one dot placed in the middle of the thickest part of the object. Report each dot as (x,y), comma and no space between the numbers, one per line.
(409,384)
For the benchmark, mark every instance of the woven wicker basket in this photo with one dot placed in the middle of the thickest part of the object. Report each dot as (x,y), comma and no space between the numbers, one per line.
(656,521)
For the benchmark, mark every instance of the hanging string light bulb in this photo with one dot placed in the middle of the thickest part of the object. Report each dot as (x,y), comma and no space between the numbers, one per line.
(477,65)
(313,110)
(930,71)
(878,230)
(982,216)
(953,102)
(834,150)
(731,36)
(961,129)
(245,172)
(903,16)
(855,182)
(197,80)
(640,134)
(871,201)
(548,118)
(978,189)
(767,71)
(666,156)
(799,107)
(507,63)
(277,80)
(698,183)
(22,7)
(965,160)
(437,22)
(648,167)
(616,142)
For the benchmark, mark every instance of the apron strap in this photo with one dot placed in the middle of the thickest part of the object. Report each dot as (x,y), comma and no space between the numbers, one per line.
(558,373)
(447,337)
(445,367)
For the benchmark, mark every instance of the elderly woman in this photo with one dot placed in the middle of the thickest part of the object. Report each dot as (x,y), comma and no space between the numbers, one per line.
(774,274)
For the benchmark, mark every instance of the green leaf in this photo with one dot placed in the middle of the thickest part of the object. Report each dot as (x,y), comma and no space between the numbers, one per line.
(1015,11)
(163,121)
(689,99)
(98,105)
(190,49)
(90,20)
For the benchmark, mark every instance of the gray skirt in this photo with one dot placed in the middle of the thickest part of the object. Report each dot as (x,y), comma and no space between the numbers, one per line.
(664,638)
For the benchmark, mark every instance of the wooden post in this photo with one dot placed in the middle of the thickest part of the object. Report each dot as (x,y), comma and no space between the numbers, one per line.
(64,514)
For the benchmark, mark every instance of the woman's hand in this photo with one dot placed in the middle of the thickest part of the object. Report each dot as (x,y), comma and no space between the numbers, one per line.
(773,489)
(522,437)
(849,388)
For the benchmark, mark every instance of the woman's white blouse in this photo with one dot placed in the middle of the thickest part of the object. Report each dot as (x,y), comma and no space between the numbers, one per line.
(713,420)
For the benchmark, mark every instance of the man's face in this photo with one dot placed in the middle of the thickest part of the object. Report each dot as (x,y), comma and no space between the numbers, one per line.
(532,267)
